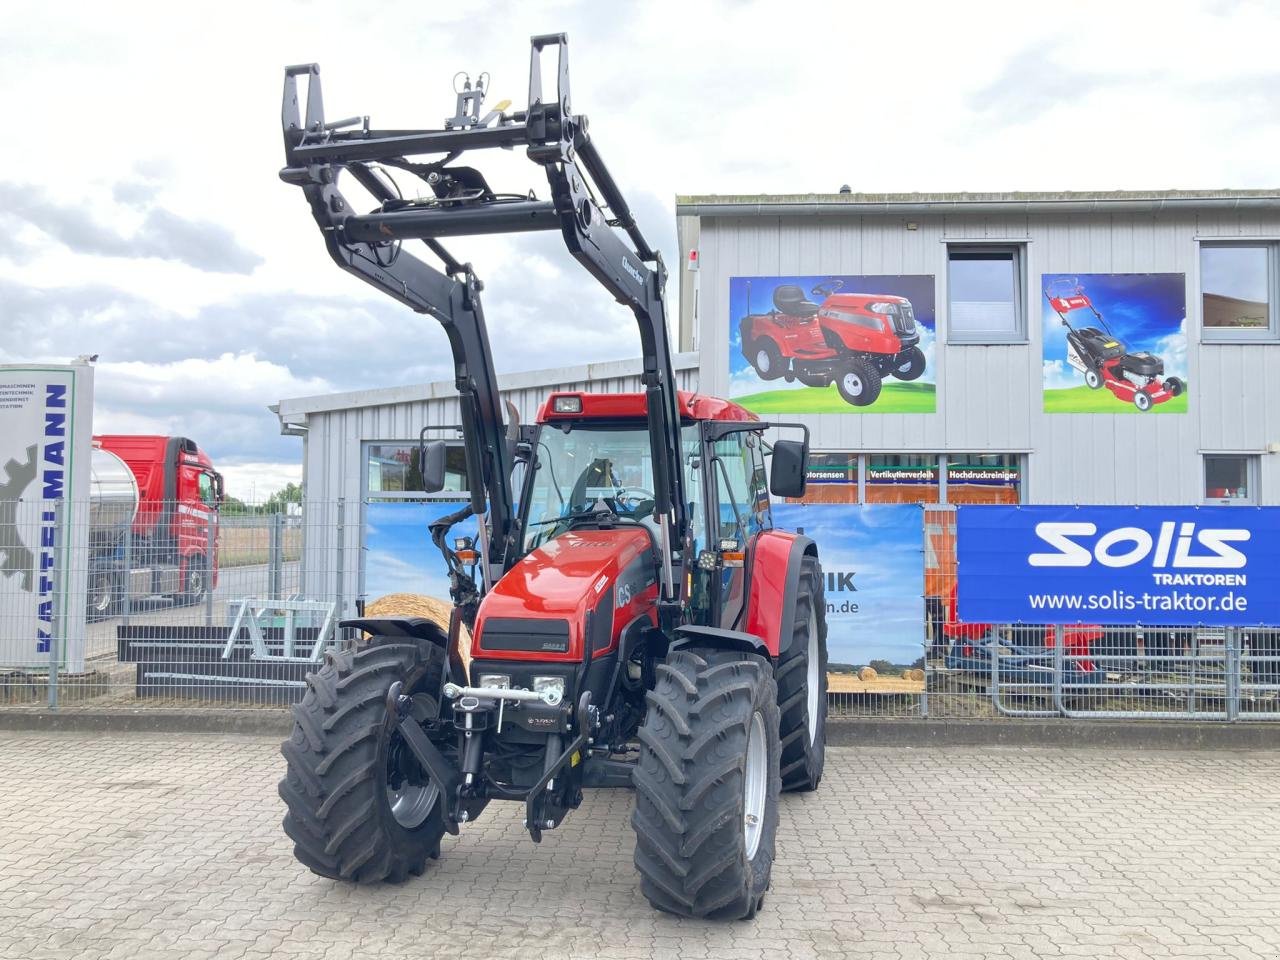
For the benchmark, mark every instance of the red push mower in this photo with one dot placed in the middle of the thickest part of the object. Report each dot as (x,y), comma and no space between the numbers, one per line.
(1103,359)
(852,339)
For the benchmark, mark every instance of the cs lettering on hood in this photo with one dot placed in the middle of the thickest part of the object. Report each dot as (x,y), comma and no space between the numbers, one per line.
(1177,545)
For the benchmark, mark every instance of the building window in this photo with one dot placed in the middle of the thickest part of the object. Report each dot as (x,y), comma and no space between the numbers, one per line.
(1238,291)
(985,287)
(903,478)
(984,478)
(832,478)
(1230,479)
(394,468)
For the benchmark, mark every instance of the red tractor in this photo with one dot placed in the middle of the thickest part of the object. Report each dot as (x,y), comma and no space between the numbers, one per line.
(853,339)
(636,622)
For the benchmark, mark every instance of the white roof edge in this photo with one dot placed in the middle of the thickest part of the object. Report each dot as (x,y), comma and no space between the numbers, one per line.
(295,410)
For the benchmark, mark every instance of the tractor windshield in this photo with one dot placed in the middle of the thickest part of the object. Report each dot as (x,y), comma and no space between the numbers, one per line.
(598,468)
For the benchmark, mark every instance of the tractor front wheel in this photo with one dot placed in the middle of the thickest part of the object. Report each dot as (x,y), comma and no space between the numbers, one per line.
(910,364)
(858,382)
(707,785)
(360,807)
(801,675)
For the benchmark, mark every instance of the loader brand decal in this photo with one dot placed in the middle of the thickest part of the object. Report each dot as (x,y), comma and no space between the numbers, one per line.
(632,270)
(820,343)
(873,566)
(1123,565)
(45,434)
(1115,343)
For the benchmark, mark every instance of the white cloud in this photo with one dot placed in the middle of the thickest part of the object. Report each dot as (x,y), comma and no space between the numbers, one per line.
(1059,376)
(1172,349)
(254,482)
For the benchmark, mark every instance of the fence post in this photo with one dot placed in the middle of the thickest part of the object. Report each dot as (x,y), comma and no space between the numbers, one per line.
(276,555)
(57,623)
(1059,665)
(1232,668)
(126,592)
(342,537)
(210,564)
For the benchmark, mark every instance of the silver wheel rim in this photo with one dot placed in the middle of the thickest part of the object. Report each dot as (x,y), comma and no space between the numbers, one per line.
(755,782)
(195,583)
(412,803)
(762,360)
(1091,378)
(814,680)
(852,384)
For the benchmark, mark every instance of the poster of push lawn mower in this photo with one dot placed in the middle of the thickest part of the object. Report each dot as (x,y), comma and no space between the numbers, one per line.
(832,344)
(1115,343)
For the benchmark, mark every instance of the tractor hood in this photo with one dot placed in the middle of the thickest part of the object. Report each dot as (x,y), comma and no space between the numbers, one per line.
(559,581)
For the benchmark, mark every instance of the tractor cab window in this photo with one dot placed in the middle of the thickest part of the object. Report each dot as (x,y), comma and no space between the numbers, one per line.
(742,490)
(587,468)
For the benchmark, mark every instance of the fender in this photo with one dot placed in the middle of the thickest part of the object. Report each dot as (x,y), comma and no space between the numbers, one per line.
(719,639)
(775,581)
(418,628)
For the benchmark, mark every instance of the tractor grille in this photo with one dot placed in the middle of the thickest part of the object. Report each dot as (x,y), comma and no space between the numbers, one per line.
(904,321)
(537,636)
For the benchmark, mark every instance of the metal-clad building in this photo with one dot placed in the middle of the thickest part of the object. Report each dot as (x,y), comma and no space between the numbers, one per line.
(989,388)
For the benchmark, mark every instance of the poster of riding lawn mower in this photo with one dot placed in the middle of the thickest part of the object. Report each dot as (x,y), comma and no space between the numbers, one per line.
(832,344)
(1115,343)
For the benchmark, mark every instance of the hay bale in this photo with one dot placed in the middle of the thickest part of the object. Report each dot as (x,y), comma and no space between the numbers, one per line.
(867,673)
(417,605)
(915,673)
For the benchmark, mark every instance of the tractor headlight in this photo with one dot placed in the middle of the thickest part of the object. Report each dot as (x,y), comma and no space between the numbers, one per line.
(883,307)
(500,680)
(551,687)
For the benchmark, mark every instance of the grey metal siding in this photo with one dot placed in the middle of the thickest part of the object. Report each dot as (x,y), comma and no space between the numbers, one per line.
(990,397)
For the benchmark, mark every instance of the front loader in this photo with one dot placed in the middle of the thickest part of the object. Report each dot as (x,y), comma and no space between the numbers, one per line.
(637,621)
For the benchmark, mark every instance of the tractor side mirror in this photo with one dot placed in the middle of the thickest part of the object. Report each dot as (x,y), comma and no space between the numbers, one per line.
(433,466)
(787,472)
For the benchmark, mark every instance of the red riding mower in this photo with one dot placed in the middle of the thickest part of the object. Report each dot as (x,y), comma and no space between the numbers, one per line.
(853,339)
(1103,359)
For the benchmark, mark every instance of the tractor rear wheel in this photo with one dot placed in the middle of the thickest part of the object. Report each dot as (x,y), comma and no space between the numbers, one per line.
(707,785)
(360,807)
(767,359)
(858,382)
(801,675)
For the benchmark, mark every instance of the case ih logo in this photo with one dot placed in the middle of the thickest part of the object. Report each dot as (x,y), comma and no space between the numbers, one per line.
(1175,545)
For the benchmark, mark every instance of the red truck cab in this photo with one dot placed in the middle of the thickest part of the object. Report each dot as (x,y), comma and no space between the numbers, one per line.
(173,536)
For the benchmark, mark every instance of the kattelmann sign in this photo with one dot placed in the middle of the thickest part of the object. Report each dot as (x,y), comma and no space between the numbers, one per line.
(1119,565)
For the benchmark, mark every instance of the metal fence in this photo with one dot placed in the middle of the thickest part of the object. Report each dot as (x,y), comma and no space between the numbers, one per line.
(236,608)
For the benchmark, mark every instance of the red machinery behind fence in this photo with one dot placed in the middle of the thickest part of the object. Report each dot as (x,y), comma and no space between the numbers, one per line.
(165,492)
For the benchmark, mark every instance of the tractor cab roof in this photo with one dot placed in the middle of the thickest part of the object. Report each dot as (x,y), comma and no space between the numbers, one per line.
(577,405)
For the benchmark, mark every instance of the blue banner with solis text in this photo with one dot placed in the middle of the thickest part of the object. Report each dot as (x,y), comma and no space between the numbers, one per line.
(1181,566)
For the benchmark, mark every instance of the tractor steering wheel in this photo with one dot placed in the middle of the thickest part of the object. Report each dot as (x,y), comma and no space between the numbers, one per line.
(635,498)
(826,288)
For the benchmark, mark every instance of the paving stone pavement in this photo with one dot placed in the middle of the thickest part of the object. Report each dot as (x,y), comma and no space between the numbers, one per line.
(144,845)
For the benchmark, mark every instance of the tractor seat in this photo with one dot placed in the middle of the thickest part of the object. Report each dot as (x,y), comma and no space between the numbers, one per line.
(789,299)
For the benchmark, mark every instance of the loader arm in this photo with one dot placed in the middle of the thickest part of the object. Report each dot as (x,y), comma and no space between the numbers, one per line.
(610,246)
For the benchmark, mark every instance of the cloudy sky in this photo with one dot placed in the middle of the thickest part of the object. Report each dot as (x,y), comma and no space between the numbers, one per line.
(141,218)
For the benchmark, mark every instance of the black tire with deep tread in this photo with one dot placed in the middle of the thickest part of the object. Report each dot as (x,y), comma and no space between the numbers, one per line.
(688,820)
(339,817)
(865,371)
(802,754)
(913,367)
(777,365)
